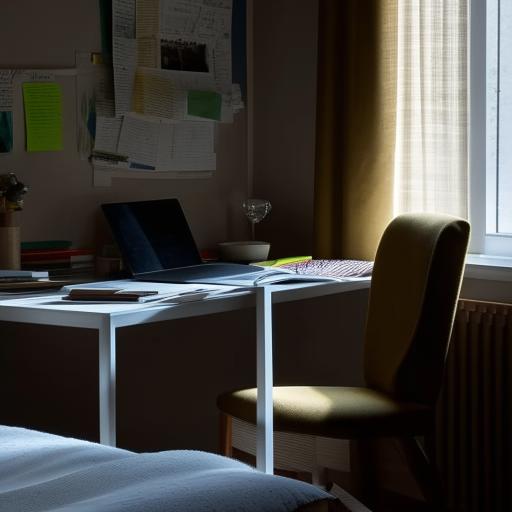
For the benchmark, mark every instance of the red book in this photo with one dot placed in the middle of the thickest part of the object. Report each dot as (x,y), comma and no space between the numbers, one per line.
(58,255)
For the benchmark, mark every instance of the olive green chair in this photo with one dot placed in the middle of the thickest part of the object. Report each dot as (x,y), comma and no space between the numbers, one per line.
(414,290)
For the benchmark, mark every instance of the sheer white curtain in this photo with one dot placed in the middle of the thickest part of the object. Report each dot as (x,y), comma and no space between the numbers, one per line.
(431,162)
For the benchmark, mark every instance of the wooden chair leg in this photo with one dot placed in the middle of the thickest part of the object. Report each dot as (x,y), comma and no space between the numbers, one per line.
(424,471)
(225,435)
(363,473)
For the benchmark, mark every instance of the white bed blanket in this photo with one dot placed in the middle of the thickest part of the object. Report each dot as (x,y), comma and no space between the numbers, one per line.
(42,472)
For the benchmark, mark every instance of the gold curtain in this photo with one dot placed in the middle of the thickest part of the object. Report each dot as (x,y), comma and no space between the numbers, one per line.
(356,111)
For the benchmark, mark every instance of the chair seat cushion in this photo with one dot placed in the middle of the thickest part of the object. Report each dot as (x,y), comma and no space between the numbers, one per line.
(339,412)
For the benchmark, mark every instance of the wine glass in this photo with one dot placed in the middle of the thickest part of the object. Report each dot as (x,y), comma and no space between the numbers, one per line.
(256,210)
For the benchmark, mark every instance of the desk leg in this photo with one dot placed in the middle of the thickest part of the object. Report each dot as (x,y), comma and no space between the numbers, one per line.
(107,384)
(264,412)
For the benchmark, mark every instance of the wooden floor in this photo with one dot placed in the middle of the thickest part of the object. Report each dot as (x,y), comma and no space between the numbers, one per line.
(386,501)
(389,502)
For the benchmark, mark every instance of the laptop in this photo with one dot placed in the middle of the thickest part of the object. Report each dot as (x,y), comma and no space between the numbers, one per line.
(156,243)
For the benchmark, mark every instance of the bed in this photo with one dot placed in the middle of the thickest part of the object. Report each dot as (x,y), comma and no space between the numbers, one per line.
(40,471)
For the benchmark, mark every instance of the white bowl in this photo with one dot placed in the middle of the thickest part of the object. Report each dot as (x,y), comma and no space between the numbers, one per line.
(244,251)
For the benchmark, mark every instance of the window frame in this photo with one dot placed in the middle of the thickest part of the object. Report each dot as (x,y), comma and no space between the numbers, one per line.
(482,181)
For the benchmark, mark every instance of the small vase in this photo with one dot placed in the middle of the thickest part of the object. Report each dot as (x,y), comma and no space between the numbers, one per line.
(9,243)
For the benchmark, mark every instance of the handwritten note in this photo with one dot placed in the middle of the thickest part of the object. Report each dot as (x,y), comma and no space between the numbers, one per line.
(139,139)
(123,18)
(147,52)
(156,94)
(43,116)
(193,138)
(107,134)
(148,18)
(125,63)
(6,89)
(167,145)
(124,53)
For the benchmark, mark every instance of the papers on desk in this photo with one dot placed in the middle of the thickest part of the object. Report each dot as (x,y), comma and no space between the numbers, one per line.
(132,292)
(151,292)
(130,296)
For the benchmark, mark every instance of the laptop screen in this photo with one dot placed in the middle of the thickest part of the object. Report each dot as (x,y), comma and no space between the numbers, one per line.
(152,235)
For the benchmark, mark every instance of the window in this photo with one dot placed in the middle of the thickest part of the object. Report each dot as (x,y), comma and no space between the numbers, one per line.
(491,126)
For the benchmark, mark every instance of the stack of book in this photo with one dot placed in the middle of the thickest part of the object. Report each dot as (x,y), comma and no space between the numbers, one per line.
(25,281)
(58,258)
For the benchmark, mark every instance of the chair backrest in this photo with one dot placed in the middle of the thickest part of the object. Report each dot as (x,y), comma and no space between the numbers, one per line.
(415,286)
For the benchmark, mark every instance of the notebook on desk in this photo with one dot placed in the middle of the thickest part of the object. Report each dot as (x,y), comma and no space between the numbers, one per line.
(157,245)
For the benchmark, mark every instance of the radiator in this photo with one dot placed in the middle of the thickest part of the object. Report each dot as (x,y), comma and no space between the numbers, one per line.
(475,410)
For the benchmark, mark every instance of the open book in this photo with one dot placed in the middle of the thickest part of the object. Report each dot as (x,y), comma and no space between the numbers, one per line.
(269,275)
(230,275)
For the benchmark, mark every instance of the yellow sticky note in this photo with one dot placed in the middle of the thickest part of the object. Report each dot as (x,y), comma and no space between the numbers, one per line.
(43,116)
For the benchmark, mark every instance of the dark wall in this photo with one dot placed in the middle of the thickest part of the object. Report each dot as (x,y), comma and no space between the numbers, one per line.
(285,53)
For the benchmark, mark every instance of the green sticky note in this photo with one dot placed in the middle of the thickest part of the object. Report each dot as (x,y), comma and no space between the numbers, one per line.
(204,104)
(43,116)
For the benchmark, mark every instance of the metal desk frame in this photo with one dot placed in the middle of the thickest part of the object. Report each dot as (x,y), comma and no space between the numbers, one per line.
(107,318)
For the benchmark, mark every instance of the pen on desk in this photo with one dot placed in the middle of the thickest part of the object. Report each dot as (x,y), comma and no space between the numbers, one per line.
(185,296)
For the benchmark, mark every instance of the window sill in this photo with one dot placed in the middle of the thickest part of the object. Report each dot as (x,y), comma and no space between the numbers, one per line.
(492,268)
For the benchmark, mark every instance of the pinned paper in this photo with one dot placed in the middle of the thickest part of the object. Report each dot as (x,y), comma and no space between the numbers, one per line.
(43,116)
(167,146)
(205,104)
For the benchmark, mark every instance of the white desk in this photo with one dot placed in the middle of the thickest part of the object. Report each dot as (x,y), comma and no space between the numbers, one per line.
(106,318)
